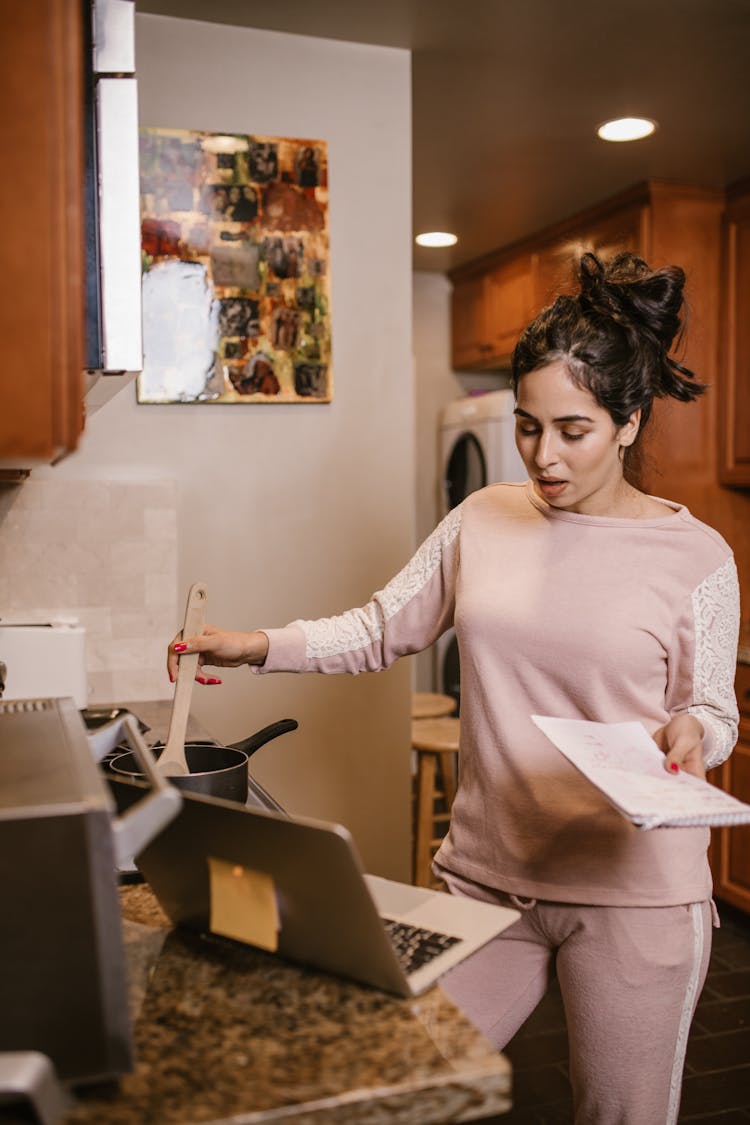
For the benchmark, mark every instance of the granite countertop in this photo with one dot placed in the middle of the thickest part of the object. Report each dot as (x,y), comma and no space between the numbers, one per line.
(228,1034)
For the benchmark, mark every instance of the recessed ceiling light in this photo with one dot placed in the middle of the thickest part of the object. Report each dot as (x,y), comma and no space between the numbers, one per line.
(626,129)
(436,238)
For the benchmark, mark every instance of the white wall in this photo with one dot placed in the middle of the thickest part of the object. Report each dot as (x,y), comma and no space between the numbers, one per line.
(289,511)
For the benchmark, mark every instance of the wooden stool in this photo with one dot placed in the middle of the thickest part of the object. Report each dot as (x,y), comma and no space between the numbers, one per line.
(431,705)
(435,743)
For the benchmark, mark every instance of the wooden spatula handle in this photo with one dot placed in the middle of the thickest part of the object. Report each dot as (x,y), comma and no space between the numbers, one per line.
(195,616)
(195,610)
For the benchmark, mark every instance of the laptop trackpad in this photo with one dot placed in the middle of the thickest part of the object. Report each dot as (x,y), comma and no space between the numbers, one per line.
(393,899)
(463,917)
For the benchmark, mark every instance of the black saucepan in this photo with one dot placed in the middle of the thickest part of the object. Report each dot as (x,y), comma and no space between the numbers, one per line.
(215,770)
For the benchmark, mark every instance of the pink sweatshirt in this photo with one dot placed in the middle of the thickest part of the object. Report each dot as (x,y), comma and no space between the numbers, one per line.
(556,613)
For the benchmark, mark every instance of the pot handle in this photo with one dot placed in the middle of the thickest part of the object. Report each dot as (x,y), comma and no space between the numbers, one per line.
(138,826)
(261,737)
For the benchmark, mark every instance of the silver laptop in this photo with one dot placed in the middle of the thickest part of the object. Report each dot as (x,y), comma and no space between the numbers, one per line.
(331,915)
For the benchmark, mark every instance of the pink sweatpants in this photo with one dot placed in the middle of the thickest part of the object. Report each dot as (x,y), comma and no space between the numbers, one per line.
(630,978)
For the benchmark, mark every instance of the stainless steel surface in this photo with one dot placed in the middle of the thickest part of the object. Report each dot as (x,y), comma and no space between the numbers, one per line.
(114,345)
(120,224)
(114,36)
(105,729)
(29,1077)
(62,962)
(145,820)
(46,766)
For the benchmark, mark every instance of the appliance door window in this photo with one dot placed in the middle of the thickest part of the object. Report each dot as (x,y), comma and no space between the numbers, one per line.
(466,470)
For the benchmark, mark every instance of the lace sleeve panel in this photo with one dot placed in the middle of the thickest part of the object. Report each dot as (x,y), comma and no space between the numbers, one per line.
(716,615)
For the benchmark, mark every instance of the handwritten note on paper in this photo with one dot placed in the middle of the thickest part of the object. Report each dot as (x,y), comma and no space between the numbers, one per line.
(243,904)
(626,765)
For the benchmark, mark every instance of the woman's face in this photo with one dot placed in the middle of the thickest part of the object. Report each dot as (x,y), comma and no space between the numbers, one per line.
(569,444)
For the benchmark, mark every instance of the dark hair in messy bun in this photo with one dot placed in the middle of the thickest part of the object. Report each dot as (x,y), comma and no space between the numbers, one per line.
(614,337)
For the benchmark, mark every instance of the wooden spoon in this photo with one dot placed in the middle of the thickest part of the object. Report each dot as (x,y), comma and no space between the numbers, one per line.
(172,761)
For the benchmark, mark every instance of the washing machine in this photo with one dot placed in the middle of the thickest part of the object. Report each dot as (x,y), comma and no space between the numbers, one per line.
(477,447)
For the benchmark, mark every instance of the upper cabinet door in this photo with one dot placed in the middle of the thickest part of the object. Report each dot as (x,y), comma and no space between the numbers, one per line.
(510,302)
(471,347)
(41,204)
(734,465)
(489,310)
(558,259)
(493,301)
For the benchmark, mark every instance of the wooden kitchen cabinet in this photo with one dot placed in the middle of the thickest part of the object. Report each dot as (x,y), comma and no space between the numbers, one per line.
(489,309)
(605,236)
(665,223)
(497,295)
(730,847)
(41,205)
(491,303)
(470,336)
(734,439)
(683,226)
(510,301)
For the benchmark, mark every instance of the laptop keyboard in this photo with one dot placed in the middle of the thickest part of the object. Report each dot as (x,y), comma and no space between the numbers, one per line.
(414,946)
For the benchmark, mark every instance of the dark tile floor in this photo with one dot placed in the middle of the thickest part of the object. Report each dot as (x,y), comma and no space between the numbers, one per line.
(716,1086)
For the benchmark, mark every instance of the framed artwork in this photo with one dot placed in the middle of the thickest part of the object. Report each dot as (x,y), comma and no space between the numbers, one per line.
(235,252)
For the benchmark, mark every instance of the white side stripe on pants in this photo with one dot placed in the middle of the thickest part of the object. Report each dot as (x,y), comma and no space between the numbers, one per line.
(675,1084)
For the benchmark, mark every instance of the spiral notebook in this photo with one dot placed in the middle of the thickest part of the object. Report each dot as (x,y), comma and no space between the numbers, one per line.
(626,765)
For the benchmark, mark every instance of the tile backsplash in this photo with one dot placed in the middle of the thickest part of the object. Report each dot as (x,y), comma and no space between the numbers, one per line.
(104,552)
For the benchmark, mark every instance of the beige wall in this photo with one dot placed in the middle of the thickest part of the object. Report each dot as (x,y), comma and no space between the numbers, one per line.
(105,553)
(288,511)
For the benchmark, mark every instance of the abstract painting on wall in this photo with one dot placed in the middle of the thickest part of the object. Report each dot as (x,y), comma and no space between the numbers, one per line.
(236,285)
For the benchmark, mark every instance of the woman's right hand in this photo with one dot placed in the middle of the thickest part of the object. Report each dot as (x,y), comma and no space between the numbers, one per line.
(219,648)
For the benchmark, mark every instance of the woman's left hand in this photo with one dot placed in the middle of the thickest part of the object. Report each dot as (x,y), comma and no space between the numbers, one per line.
(681,740)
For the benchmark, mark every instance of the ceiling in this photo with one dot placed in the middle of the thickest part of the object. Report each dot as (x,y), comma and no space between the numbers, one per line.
(507,95)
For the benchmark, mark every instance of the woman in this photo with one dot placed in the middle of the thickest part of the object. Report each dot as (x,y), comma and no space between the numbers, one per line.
(575,595)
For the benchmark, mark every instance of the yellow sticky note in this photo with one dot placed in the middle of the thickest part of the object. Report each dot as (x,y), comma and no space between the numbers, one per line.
(243,904)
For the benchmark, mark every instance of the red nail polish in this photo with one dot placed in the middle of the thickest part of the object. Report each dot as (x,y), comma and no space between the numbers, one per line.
(202,680)
(674,767)
(180,648)
(171,678)
(214,680)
